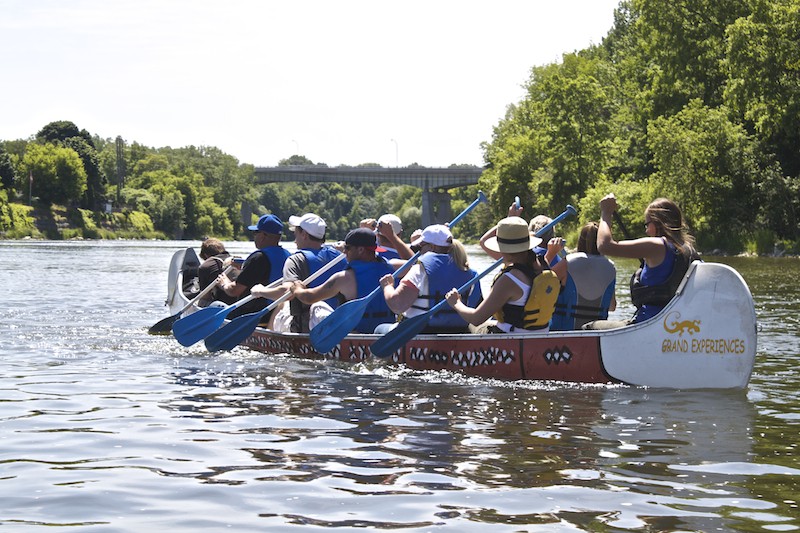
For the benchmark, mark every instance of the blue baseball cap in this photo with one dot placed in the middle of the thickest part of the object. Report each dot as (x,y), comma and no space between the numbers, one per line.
(268,224)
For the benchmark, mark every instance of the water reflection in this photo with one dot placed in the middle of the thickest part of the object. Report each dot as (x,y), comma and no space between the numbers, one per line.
(481,451)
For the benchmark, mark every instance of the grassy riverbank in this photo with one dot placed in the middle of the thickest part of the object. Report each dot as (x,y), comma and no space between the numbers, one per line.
(56,222)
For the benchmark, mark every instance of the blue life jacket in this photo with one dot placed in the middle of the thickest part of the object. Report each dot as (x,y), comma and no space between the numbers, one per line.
(389,254)
(277,257)
(444,275)
(368,274)
(317,259)
(587,295)
(652,288)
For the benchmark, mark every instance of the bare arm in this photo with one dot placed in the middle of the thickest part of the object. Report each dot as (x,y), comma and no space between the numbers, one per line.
(403,250)
(271,293)
(554,246)
(329,289)
(486,236)
(231,288)
(651,249)
(400,298)
(502,291)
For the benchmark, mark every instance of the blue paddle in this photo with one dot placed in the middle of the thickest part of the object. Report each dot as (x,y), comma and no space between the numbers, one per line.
(233,333)
(200,324)
(410,328)
(344,318)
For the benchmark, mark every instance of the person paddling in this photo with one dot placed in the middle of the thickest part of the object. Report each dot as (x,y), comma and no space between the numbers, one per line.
(262,267)
(523,295)
(442,265)
(588,293)
(666,253)
(364,269)
(312,254)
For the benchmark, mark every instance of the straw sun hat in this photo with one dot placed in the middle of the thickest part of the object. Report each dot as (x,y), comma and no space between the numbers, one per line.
(512,237)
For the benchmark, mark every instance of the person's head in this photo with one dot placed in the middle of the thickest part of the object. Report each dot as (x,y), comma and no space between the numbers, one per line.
(394,220)
(360,244)
(436,238)
(663,218)
(537,223)
(309,230)
(459,255)
(587,241)
(267,231)
(513,237)
(369,223)
(211,247)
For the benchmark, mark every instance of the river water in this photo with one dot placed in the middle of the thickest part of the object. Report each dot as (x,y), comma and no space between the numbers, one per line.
(105,428)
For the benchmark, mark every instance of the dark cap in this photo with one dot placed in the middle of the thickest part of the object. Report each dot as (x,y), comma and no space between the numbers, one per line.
(268,224)
(361,237)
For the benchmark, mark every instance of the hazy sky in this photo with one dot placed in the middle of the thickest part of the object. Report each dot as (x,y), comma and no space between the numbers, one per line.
(339,81)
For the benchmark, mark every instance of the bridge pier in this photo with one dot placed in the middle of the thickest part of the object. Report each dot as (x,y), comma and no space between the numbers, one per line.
(435,207)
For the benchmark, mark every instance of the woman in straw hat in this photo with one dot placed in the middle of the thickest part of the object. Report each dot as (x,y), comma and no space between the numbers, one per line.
(511,302)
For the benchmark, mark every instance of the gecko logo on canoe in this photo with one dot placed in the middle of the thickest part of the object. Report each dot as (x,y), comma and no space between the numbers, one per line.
(676,325)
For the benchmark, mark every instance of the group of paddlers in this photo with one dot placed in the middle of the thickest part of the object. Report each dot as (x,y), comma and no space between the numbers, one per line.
(538,290)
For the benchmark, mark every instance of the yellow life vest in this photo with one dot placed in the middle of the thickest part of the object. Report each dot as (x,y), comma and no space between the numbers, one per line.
(539,306)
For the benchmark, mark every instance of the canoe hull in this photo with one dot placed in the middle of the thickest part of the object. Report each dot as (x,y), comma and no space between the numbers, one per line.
(547,357)
(704,338)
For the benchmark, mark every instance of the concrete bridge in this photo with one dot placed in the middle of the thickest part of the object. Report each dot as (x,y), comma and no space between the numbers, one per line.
(434,182)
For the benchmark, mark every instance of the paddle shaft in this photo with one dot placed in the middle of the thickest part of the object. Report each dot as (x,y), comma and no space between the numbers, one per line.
(344,318)
(232,334)
(618,220)
(408,329)
(568,212)
(625,232)
(313,277)
(205,291)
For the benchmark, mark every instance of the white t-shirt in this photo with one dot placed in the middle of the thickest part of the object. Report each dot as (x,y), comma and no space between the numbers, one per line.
(417,278)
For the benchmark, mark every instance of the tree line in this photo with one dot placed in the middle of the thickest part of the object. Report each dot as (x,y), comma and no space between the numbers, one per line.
(697,100)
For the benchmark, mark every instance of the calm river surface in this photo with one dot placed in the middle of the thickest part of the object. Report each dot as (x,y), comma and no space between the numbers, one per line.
(105,428)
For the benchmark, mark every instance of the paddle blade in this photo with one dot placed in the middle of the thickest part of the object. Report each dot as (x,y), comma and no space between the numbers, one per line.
(164,326)
(233,333)
(197,326)
(338,324)
(399,336)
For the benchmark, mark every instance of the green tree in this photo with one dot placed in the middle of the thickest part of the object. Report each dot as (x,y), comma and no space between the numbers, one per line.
(61,130)
(8,174)
(95,192)
(58,173)
(763,67)
(708,165)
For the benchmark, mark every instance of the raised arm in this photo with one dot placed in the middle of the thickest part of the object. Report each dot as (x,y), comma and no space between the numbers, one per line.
(651,249)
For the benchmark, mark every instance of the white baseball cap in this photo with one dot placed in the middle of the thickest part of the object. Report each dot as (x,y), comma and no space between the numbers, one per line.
(437,235)
(394,220)
(311,224)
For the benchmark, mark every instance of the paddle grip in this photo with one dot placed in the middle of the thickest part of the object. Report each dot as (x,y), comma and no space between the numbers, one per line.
(480,199)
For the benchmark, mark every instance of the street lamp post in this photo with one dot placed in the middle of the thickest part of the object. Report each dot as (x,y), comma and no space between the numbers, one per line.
(396,153)
(296,147)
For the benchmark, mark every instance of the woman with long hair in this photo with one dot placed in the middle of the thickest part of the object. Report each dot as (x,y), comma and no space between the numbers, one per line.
(666,253)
